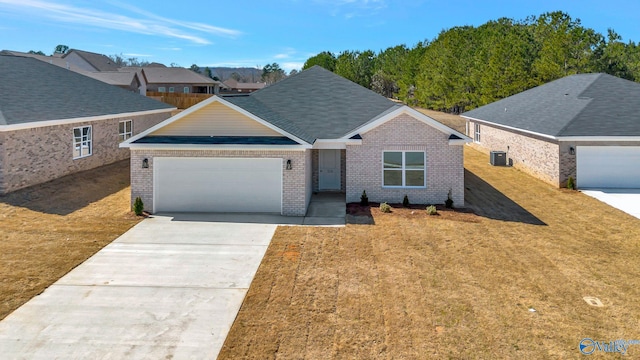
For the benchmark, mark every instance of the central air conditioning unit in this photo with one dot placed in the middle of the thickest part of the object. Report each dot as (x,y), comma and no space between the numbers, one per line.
(498,158)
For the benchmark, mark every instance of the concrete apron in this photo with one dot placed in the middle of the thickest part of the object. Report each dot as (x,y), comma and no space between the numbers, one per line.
(165,289)
(627,200)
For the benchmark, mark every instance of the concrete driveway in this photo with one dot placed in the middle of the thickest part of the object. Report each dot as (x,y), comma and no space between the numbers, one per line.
(166,289)
(627,200)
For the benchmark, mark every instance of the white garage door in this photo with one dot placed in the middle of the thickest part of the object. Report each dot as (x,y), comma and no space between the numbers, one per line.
(608,167)
(217,185)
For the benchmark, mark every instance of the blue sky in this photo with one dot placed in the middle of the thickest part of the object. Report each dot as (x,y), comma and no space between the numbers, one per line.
(255,33)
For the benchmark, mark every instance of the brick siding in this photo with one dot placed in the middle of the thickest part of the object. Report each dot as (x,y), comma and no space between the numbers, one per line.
(535,156)
(36,155)
(295,193)
(445,168)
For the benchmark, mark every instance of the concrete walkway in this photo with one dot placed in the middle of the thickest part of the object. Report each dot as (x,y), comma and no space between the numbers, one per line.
(164,290)
(627,200)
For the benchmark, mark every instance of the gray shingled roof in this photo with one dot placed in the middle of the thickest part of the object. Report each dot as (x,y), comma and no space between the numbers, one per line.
(576,105)
(33,90)
(175,75)
(98,61)
(315,104)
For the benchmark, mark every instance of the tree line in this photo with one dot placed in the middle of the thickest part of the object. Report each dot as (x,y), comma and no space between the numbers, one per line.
(465,67)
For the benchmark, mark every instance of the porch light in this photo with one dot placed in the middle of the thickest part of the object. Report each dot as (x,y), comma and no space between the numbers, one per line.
(572,150)
(145,163)
(288,165)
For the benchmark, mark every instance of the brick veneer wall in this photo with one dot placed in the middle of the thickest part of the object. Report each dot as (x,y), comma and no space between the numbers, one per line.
(294,182)
(445,168)
(536,156)
(36,155)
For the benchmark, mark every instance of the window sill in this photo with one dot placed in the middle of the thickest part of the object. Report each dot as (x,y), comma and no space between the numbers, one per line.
(82,157)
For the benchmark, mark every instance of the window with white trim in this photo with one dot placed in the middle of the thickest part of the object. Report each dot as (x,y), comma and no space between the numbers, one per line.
(171,89)
(186,90)
(161,89)
(476,132)
(403,169)
(125,129)
(82,144)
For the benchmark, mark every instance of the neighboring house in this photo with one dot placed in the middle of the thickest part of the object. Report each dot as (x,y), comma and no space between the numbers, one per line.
(584,126)
(270,150)
(89,61)
(55,122)
(233,86)
(176,80)
(127,80)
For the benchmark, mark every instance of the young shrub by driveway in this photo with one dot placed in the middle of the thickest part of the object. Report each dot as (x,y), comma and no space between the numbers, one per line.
(508,282)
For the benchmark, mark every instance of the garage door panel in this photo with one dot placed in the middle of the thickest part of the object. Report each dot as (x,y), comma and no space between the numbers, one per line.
(608,166)
(218,185)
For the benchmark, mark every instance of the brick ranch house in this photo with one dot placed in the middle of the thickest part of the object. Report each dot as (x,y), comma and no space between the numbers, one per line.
(268,151)
(54,122)
(584,126)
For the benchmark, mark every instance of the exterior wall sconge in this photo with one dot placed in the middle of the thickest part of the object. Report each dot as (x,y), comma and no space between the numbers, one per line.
(288,165)
(145,163)
(572,150)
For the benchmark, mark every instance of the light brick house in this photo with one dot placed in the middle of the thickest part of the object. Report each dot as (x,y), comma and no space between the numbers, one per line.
(584,126)
(54,122)
(268,151)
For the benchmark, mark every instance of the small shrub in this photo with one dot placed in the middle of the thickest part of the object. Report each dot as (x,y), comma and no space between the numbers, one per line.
(364,200)
(449,202)
(405,201)
(431,210)
(571,184)
(385,208)
(138,206)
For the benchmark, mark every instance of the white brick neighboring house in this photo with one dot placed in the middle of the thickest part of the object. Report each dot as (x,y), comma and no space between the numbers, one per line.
(268,151)
(54,122)
(584,126)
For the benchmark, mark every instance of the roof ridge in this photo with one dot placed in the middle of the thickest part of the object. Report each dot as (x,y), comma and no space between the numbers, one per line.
(578,96)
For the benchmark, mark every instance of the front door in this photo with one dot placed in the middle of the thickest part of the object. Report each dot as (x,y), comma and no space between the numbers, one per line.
(329,170)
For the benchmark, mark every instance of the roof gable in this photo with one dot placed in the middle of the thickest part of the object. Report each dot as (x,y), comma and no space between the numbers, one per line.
(576,105)
(315,104)
(98,61)
(215,119)
(34,91)
(199,116)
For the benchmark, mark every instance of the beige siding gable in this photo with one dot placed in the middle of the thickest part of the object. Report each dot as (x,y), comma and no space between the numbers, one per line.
(215,119)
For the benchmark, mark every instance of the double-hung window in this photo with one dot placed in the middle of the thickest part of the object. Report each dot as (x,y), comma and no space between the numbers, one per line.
(161,89)
(476,132)
(403,169)
(82,141)
(125,129)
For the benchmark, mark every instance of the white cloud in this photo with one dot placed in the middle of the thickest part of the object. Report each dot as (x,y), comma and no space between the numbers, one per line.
(138,55)
(149,24)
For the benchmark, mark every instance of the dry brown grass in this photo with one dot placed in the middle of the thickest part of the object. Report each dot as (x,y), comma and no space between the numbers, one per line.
(458,286)
(451,120)
(49,229)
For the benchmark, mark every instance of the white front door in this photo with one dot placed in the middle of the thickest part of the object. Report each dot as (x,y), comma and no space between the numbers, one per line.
(329,170)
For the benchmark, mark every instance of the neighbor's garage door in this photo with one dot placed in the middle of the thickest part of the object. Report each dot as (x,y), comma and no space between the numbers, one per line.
(608,167)
(217,185)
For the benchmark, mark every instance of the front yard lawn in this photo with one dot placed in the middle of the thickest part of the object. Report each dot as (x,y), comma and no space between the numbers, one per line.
(507,282)
(47,230)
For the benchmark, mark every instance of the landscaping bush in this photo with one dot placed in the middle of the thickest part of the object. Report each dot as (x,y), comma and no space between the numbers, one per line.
(138,206)
(385,208)
(431,210)
(571,184)
(405,201)
(449,202)
(364,200)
